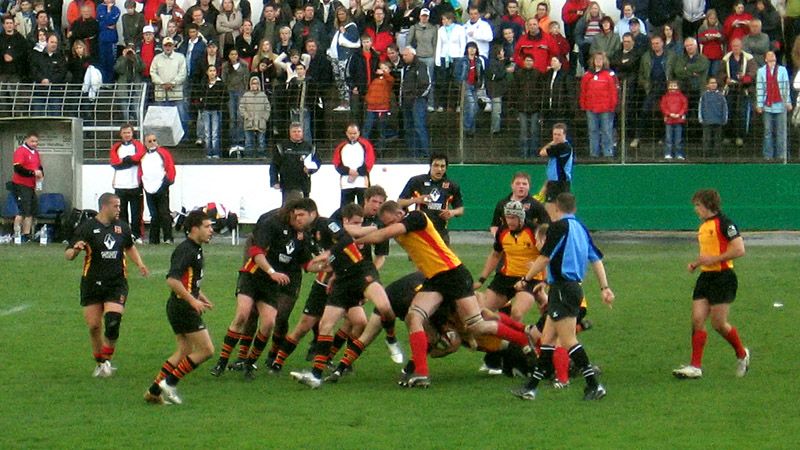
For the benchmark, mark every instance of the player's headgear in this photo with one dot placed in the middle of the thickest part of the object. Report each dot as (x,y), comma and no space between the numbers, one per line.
(514,208)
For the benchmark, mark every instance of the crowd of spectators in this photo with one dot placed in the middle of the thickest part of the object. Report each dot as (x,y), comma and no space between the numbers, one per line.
(256,69)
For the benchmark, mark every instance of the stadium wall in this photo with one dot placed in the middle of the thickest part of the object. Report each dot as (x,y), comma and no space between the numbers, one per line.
(648,196)
(610,197)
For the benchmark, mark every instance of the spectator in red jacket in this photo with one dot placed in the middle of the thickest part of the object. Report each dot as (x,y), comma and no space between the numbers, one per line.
(125,157)
(380,30)
(571,13)
(737,25)
(674,106)
(537,44)
(598,97)
(157,172)
(712,41)
(563,46)
(353,158)
(28,175)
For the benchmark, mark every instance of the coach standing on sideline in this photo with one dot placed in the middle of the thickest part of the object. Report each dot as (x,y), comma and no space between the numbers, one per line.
(104,285)
(125,158)
(293,163)
(28,171)
(158,173)
(567,249)
(353,158)
(434,194)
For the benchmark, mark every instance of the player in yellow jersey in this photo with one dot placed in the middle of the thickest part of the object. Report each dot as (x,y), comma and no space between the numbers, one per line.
(715,290)
(447,283)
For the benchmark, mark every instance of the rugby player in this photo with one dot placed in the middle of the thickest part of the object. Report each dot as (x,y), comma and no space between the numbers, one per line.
(270,277)
(355,278)
(520,191)
(715,289)
(566,250)
(106,240)
(447,283)
(435,194)
(560,158)
(185,307)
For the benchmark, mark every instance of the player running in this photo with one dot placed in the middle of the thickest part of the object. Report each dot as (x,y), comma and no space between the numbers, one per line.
(185,307)
(104,282)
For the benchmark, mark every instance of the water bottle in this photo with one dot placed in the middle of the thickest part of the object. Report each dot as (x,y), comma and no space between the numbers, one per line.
(43,235)
(39,185)
(17,235)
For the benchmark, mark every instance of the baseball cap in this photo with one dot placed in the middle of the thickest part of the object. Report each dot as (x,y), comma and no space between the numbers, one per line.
(148,29)
(212,42)
(167,40)
(425,12)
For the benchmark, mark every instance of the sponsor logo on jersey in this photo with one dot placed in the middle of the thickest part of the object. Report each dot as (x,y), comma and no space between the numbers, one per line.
(109,241)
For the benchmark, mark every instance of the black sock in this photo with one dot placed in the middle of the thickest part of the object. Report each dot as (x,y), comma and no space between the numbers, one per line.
(259,344)
(409,367)
(578,354)
(321,359)
(493,360)
(155,389)
(277,341)
(388,327)
(338,342)
(544,366)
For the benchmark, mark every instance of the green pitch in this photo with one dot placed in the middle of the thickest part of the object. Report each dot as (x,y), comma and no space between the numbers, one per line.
(49,399)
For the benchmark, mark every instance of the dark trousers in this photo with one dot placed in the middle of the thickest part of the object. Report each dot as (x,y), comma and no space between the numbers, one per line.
(160,218)
(712,140)
(132,198)
(354,195)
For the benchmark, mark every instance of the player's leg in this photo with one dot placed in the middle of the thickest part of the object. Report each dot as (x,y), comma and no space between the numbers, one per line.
(246,339)
(289,343)
(358,319)
(700,312)
(200,349)
(339,339)
(377,295)
(543,365)
(492,300)
(183,348)
(93,316)
(371,331)
(719,320)
(244,306)
(112,320)
(521,304)
(469,311)
(330,316)
(422,307)
(267,314)
(565,330)
(284,304)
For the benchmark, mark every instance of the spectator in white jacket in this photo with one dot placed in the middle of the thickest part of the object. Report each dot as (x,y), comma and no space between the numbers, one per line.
(478,31)
(451,41)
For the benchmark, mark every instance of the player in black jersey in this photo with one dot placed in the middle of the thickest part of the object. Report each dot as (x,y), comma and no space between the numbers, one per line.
(435,194)
(185,307)
(104,282)
(270,277)
(355,278)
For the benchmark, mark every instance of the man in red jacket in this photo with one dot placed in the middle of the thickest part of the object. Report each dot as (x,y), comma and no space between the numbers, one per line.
(28,172)
(157,172)
(353,158)
(125,156)
(674,106)
(537,44)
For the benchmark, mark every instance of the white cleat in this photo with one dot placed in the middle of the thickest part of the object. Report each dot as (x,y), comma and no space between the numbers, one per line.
(395,352)
(98,371)
(688,372)
(490,370)
(306,378)
(743,364)
(169,393)
(104,370)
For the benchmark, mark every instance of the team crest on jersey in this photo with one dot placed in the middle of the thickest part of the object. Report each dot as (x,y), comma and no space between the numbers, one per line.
(109,241)
(446,185)
(732,230)
(290,248)
(334,227)
(435,195)
(117,229)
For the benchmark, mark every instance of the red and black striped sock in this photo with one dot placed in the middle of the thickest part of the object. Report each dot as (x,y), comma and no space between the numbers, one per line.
(245,341)
(107,351)
(277,340)
(338,341)
(181,370)
(258,347)
(354,350)
(228,344)
(324,343)
(166,369)
(286,349)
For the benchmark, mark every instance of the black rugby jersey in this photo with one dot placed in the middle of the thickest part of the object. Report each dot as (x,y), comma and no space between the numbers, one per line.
(287,250)
(104,258)
(443,194)
(186,266)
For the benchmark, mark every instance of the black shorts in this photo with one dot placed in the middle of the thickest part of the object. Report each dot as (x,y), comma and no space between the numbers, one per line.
(543,317)
(716,287)
(26,200)
(564,300)
(98,292)
(348,292)
(315,303)
(504,285)
(261,288)
(453,284)
(183,318)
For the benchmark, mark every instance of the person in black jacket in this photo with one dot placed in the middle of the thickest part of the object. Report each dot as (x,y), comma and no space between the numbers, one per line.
(558,95)
(414,87)
(48,70)
(626,66)
(211,99)
(13,54)
(320,78)
(293,163)
(361,69)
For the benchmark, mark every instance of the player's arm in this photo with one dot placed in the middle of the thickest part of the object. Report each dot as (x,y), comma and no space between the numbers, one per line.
(357,231)
(262,263)
(379,261)
(136,257)
(202,297)
(491,262)
(605,291)
(182,293)
(450,213)
(71,252)
(416,200)
(538,265)
(319,263)
(383,234)
(735,250)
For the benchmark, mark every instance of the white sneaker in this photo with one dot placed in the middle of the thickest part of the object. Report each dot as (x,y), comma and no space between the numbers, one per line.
(440,109)
(635,143)
(169,393)
(138,241)
(98,371)
(487,108)
(739,142)
(689,372)
(306,378)
(667,156)
(743,364)
(680,158)
(104,370)
(395,352)
(342,108)
(489,370)
(431,109)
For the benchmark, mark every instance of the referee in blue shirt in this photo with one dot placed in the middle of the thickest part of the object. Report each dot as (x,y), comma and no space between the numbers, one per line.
(567,249)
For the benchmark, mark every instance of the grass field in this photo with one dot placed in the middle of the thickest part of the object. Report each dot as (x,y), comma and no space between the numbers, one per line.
(49,399)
